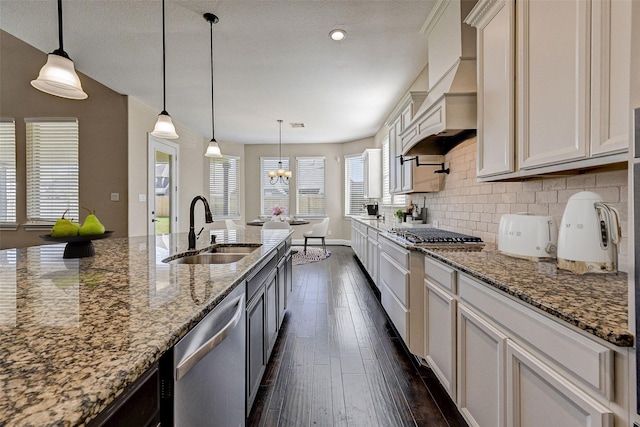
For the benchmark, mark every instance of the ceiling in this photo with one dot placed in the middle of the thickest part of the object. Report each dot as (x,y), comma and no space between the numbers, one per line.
(273,60)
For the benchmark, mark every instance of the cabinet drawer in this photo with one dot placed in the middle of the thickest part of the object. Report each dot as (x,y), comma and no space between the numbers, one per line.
(585,360)
(437,272)
(395,278)
(400,255)
(398,314)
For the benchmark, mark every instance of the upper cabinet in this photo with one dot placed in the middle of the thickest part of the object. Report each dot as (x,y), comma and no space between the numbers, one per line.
(569,106)
(372,159)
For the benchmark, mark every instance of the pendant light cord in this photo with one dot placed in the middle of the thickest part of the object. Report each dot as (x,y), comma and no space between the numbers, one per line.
(164,67)
(60,24)
(213,138)
(280,142)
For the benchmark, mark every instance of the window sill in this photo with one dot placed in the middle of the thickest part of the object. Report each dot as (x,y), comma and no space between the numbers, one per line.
(37,226)
(8,226)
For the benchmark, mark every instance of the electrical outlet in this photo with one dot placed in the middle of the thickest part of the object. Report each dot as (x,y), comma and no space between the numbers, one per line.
(436,223)
(142,197)
(328,232)
(115,197)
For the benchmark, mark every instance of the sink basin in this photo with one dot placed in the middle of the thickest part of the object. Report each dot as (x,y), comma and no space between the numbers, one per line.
(234,249)
(208,258)
(217,255)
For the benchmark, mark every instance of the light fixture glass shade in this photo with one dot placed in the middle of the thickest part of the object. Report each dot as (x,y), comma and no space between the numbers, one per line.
(58,77)
(287,174)
(164,127)
(272,174)
(213,150)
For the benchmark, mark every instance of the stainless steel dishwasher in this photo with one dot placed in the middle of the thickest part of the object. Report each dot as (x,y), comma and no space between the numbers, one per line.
(203,375)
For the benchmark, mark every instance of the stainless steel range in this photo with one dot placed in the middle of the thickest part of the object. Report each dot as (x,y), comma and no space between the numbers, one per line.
(436,238)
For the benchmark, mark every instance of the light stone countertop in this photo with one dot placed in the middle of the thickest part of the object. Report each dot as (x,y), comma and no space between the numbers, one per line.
(76,332)
(595,303)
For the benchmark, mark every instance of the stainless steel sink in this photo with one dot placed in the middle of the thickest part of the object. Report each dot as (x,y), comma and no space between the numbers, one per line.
(217,255)
(208,258)
(234,249)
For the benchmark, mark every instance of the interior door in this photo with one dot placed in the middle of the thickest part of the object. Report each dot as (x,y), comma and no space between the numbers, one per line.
(163,186)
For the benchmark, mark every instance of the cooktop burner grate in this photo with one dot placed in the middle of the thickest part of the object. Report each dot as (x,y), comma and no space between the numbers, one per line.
(426,237)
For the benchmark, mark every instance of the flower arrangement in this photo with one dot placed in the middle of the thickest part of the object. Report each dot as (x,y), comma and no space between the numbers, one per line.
(278,210)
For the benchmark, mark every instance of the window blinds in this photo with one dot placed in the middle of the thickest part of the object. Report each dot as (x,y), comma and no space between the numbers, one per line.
(354,185)
(224,190)
(52,169)
(310,200)
(272,194)
(7,171)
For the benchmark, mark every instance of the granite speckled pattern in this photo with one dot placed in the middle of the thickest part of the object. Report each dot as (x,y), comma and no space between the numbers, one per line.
(595,303)
(76,332)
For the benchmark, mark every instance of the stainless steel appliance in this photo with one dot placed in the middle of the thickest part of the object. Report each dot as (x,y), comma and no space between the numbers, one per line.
(372,209)
(589,235)
(428,237)
(526,236)
(203,375)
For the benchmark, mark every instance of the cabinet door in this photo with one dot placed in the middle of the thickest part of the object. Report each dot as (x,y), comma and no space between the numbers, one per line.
(481,350)
(610,73)
(256,345)
(496,97)
(282,290)
(407,176)
(395,169)
(272,316)
(553,60)
(538,396)
(440,335)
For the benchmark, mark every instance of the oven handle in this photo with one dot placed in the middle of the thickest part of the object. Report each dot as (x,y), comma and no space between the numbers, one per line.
(190,361)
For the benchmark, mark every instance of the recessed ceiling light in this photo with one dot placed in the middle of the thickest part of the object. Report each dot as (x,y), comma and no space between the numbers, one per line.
(338,35)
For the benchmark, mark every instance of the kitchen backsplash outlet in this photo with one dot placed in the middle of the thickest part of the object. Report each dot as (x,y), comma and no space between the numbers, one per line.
(471,207)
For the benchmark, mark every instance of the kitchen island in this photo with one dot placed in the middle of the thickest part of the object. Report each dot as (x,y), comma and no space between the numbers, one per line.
(77,332)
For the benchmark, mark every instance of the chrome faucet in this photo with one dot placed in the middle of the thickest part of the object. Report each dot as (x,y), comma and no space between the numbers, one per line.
(208,218)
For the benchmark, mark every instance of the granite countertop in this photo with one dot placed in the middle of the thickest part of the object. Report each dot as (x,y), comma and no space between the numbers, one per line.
(595,303)
(76,332)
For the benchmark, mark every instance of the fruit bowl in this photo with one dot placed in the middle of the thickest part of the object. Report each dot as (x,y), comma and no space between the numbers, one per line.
(77,246)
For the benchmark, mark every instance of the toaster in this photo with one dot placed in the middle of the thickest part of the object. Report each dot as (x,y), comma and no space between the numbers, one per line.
(532,237)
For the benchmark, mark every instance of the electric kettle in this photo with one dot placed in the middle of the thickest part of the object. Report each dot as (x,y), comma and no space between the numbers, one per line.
(589,235)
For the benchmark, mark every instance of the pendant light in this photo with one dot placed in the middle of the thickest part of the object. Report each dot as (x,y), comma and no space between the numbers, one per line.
(164,127)
(213,150)
(280,175)
(58,76)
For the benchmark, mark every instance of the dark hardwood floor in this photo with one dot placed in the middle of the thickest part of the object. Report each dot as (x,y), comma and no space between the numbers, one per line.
(339,362)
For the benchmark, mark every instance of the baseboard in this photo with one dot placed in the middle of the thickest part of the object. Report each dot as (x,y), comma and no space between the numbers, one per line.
(316,242)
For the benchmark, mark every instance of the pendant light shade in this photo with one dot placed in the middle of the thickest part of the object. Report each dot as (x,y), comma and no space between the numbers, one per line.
(58,76)
(213,150)
(279,175)
(164,127)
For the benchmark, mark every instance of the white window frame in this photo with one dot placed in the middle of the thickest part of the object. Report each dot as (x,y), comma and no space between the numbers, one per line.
(389,199)
(232,193)
(8,218)
(348,190)
(266,206)
(304,182)
(59,146)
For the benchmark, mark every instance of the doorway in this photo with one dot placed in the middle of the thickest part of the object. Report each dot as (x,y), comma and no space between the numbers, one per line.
(163,186)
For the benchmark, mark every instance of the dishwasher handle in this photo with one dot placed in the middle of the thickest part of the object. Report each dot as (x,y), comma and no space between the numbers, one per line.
(190,361)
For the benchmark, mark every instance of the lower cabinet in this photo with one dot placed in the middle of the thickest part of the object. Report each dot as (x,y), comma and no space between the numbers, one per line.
(256,345)
(272,311)
(539,396)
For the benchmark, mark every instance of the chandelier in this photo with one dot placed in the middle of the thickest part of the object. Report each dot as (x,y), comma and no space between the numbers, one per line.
(280,175)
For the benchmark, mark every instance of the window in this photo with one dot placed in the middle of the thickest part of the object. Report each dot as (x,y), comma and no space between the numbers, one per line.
(7,171)
(354,185)
(310,192)
(52,169)
(224,190)
(272,194)
(387,197)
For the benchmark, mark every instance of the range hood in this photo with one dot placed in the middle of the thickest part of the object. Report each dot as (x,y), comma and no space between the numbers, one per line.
(448,115)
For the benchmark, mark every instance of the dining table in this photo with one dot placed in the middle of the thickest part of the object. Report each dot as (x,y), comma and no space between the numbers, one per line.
(260,222)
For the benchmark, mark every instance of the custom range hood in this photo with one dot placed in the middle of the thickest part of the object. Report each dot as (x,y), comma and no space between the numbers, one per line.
(448,115)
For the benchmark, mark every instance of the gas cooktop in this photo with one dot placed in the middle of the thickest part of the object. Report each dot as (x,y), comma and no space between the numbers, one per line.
(436,238)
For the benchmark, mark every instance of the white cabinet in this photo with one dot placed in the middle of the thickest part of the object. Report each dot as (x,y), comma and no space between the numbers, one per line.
(539,396)
(569,108)
(496,96)
(373,255)
(372,173)
(481,353)
(552,41)
(440,335)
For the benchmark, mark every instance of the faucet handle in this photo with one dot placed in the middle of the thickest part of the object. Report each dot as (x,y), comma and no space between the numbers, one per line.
(199,233)
(213,238)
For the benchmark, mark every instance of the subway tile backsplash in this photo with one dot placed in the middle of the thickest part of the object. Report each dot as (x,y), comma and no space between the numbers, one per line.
(475,208)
